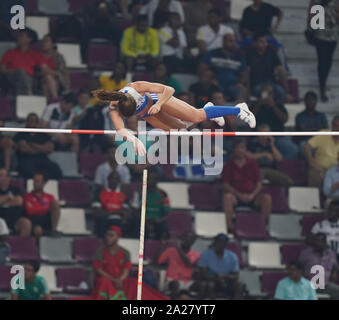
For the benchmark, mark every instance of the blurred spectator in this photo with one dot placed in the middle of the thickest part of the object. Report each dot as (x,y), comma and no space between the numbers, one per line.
(55,76)
(321,153)
(331,182)
(41,209)
(219,270)
(4,246)
(80,109)
(326,40)
(114,209)
(211,35)
(258,18)
(159,11)
(140,45)
(184,295)
(264,64)
(330,226)
(185,96)
(35,286)
(264,151)
(6,147)
(242,184)
(273,113)
(202,91)
(230,68)
(174,44)
(19,65)
(181,260)
(310,119)
(295,286)
(318,254)
(33,150)
(59,115)
(161,75)
(10,202)
(116,81)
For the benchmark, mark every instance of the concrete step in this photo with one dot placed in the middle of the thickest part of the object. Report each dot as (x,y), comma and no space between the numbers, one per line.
(289,3)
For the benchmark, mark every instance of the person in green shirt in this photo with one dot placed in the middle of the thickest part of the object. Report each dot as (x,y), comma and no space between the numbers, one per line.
(35,286)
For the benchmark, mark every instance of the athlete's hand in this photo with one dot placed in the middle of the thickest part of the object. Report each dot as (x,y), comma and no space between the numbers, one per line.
(139,148)
(154,109)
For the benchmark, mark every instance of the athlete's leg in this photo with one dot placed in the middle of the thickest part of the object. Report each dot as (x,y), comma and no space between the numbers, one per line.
(166,122)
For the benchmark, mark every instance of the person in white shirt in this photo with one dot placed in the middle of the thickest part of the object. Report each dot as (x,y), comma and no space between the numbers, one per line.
(210,36)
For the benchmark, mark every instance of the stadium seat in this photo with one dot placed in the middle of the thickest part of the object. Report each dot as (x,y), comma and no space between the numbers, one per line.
(264,255)
(78,79)
(209,224)
(293,87)
(5,278)
(142,76)
(101,56)
(295,169)
(285,227)
(211,199)
(75,193)
(72,55)
(72,222)
(250,226)
(279,201)
(308,222)
(39,24)
(7,110)
(201,244)
(186,80)
(88,163)
(167,170)
(177,193)
(132,246)
(237,8)
(179,223)
(84,249)
(251,279)
(304,199)
(61,158)
(19,184)
(28,104)
(23,248)
(73,280)
(236,248)
(59,7)
(132,188)
(6,45)
(77,6)
(291,252)
(269,282)
(52,187)
(48,273)
(293,109)
(56,249)
(32,7)
(152,249)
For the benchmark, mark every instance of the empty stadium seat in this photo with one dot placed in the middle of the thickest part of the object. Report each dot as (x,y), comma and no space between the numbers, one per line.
(6,45)
(304,199)
(236,248)
(101,56)
(250,226)
(39,24)
(75,193)
(72,55)
(177,193)
(72,222)
(269,282)
(290,252)
(28,104)
(5,278)
(73,280)
(59,7)
(295,169)
(293,109)
(48,273)
(186,80)
(88,163)
(201,244)
(285,227)
(52,187)
(237,8)
(7,110)
(251,279)
(69,158)
(279,201)
(209,224)
(56,249)
(211,199)
(293,87)
(179,223)
(308,222)
(23,248)
(132,245)
(264,255)
(132,188)
(84,248)
(78,79)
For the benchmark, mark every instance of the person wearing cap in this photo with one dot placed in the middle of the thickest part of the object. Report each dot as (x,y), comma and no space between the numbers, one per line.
(219,269)
(4,246)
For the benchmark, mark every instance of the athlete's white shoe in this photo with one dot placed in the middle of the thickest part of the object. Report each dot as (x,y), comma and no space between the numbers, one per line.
(246,115)
(220,121)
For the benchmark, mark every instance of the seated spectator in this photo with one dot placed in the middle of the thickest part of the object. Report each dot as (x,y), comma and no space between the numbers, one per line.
(55,78)
(59,115)
(115,81)
(295,286)
(264,64)
(18,65)
(321,153)
(310,119)
(33,150)
(80,109)
(242,184)
(219,271)
(181,261)
(161,75)
(318,254)
(4,246)
(112,265)
(202,91)
(211,35)
(230,68)
(273,113)
(330,226)
(331,182)
(140,45)
(6,147)
(41,209)
(10,203)
(36,287)
(264,151)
